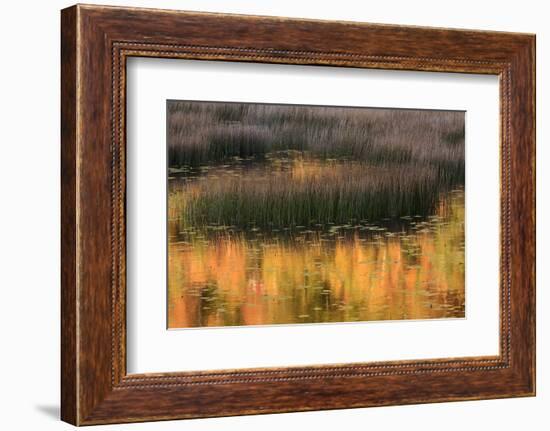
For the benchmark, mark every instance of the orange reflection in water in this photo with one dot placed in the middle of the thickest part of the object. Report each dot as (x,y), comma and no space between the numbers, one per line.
(357,273)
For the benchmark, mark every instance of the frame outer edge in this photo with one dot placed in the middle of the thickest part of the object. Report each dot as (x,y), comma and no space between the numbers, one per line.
(532,82)
(530,62)
(523,216)
(533,53)
(69,213)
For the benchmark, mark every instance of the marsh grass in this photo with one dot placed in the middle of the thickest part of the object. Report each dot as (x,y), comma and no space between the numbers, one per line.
(204,133)
(338,164)
(310,193)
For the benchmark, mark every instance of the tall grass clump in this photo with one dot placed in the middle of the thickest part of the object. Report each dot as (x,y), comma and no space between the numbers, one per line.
(337,194)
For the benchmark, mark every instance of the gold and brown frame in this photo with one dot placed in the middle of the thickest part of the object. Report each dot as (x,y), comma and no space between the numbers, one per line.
(95,43)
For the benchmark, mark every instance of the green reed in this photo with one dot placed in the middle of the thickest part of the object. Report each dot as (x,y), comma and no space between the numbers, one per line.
(338,193)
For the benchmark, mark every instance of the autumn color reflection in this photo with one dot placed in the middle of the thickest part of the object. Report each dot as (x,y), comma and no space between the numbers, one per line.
(354,274)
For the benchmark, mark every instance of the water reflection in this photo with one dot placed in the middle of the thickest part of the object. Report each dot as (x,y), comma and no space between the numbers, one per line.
(408,267)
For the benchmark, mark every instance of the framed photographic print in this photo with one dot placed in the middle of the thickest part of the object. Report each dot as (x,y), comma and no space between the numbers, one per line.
(264,215)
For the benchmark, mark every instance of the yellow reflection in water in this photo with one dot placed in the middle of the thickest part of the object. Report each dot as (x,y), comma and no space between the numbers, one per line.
(356,274)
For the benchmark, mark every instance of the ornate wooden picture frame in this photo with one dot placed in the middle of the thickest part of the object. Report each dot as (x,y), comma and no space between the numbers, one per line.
(96,41)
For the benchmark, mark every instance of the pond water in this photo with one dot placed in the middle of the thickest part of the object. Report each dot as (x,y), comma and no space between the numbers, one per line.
(244,251)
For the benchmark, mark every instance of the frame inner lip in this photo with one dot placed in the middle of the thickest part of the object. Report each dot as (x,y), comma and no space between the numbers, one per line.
(124,49)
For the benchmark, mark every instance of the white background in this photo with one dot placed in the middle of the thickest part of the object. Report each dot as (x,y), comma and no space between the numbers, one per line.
(151,348)
(29,218)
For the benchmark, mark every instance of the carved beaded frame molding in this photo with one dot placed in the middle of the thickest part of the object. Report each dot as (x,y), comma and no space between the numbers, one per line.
(96,41)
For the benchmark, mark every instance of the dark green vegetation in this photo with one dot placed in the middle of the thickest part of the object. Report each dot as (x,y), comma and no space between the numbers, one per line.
(309,192)
(273,166)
